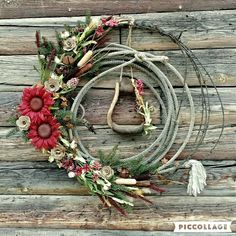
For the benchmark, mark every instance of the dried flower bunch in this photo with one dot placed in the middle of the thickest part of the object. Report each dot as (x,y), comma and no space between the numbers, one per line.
(44,116)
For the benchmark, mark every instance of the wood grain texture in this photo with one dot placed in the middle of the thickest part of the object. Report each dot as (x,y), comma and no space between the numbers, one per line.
(87,213)
(21,39)
(211,29)
(30,178)
(19,70)
(206,29)
(23,8)
(99,100)
(95,102)
(105,139)
(79,232)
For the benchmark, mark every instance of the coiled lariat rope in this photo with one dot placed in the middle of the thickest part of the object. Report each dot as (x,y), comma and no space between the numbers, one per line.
(116,56)
(120,56)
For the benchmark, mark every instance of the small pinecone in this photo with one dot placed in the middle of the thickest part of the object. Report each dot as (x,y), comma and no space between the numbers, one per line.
(72,83)
(124,173)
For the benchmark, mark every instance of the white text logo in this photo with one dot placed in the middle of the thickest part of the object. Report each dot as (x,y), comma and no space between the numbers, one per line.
(202,226)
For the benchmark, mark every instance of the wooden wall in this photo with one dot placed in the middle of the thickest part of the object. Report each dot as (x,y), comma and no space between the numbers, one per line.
(38,197)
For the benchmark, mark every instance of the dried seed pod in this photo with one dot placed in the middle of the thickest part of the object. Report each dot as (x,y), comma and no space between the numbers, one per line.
(85,58)
(122,181)
(84,69)
(145,183)
(68,60)
(124,173)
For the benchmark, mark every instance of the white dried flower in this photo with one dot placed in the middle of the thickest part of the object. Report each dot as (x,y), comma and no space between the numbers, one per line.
(107,172)
(23,123)
(56,77)
(73,144)
(78,157)
(57,153)
(69,44)
(71,174)
(65,34)
(57,60)
(51,159)
(52,85)
(105,188)
(41,56)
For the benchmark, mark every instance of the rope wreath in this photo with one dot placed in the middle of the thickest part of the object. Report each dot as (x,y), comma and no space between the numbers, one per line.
(48,113)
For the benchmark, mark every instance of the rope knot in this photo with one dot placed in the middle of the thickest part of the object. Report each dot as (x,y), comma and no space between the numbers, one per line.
(140,56)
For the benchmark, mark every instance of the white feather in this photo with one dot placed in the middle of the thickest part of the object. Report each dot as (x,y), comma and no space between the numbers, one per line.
(197,177)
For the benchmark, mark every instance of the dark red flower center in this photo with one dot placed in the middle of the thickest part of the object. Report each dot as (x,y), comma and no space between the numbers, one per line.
(36,104)
(44,130)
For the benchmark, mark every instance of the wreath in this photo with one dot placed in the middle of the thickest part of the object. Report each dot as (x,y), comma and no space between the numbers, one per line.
(51,110)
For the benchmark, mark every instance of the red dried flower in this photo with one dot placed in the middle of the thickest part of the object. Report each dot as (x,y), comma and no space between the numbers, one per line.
(86,168)
(97,165)
(68,164)
(139,85)
(100,31)
(95,177)
(44,133)
(78,171)
(109,22)
(35,103)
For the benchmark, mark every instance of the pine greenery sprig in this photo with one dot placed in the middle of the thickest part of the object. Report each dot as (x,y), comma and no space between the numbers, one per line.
(111,159)
(135,167)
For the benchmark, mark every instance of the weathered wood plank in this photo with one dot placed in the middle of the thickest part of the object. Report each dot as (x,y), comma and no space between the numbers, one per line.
(27,178)
(95,101)
(106,139)
(21,39)
(23,8)
(19,70)
(99,100)
(86,212)
(76,232)
(195,29)
(211,29)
